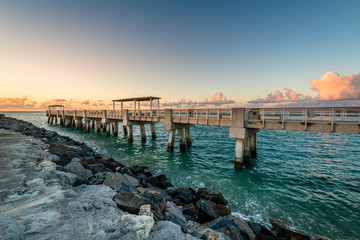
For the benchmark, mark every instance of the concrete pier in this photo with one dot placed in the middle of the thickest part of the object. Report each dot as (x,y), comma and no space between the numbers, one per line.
(171,140)
(153,130)
(239,153)
(253,146)
(108,128)
(247,151)
(188,137)
(116,128)
(125,130)
(181,139)
(142,132)
(130,133)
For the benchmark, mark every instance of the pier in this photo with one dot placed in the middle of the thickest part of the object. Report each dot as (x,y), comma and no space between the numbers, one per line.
(243,123)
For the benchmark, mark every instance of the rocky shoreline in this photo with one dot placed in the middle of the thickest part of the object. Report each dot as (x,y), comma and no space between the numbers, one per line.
(55,187)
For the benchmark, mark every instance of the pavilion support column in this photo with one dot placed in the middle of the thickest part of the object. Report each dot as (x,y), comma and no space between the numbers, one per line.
(116,128)
(153,130)
(181,139)
(142,132)
(108,128)
(253,145)
(130,133)
(49,119)
(171,140)
(93,124)
(52,120)
(239,153)
(98,125)
(188,136)
(247,151)
(125,130)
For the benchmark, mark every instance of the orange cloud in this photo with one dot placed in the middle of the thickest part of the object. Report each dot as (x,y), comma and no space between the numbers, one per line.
(217,99)
(332,86)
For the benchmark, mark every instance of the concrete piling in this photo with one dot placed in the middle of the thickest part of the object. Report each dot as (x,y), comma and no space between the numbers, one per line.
(171,140)
(142,132)
(247,151)
(239,153)
(108,128)
(188,137)
(116,128)
(181,139)
(130,133)
(153,130)
(98,125)
(125,130)
(253,145)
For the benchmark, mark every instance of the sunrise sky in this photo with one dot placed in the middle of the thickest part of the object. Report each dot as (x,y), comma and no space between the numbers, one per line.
(191,53)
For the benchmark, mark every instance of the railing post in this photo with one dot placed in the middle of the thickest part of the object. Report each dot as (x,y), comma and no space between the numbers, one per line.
(332,119)
(263,118)
(218,117)
(197,116)
(207,117)
(306,119)
(283,119)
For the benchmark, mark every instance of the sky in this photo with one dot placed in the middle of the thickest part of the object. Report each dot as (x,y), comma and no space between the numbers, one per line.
(190,53)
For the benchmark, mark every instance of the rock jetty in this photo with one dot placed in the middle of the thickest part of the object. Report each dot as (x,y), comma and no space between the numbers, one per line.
(53,187)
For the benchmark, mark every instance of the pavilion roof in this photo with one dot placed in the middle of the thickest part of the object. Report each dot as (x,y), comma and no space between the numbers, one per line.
(138,99)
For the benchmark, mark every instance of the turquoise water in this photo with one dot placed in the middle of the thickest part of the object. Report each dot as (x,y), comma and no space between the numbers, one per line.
(311,180)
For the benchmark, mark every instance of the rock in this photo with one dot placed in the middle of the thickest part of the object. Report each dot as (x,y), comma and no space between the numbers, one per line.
(29,164)
(46,165)
(132,180)
(119,183)
(166,230)
(79,170)
(260,230)
(189,210)
(111,164)
(206,211)
(156,195)
(96,168)
(207,194)
(137,226)
(229,223)
(146,211)
(61,149)
(185,195)
(199,231)
(284,230)
(131,202)
(98,178)
(231,232)
(223,210)
(174,214)
(159,181)
(138,169)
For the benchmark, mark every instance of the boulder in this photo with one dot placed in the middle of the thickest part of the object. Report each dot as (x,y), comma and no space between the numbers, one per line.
(284,230)
(132,202)
(136,227)
(206,211)
(228,224)
(78,169)
(207,194)
(199,231)
(146,210)
(166,230)
(224,211)
(46,165)
(174,214)
(61,149)
(185,195)
(98,178)
(96,168)
(118,182)
(157,195)
(159,181)
(136,169)
(132,180)
(189,210)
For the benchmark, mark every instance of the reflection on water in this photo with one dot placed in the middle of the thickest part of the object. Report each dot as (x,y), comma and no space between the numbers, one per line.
(308,179)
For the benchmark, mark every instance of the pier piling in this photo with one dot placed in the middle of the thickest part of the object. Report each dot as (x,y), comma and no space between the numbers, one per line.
(253,145)
(153,130)
(130,133)
(188,136)
(125,130)
(239,153)
(247,151)
(181,139)
(171,140)
(142,132)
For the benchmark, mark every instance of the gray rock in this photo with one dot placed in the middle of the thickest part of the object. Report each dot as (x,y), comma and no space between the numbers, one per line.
(166,230)
(137,227)
(207,194)
(46,165)
(174,214)
(146,210)
(97,178)
(132,180)
(78,169)
(199,231)
(131,202)
(206,211)
(118,182)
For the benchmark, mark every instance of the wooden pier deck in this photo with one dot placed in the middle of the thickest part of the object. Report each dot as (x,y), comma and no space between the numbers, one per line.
(243,123)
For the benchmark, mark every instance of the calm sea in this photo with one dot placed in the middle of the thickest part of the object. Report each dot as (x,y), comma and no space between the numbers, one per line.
(311,180)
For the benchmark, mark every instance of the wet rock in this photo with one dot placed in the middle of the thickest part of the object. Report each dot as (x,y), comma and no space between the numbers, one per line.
(185,195)
(174,214)
(189,210)
(229,223)
(138,169)
(231,232)
(157,195)
(61,149)
(159,181)
(96,168)
(79,170)
(206,211)
(136,227)
(207,194)
(131,202)
(132,180)
(260,230)
(223,210)
(46,165)
(166,230)
(119,183)
(284,230)
(98,178)
(199,231)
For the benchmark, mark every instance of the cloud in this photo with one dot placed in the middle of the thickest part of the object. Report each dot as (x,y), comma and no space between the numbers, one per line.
(15,103)
(86,102)
(288,95)
(332,86)
(217,99)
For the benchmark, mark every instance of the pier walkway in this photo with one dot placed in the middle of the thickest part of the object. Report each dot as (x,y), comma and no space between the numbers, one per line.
(243,123)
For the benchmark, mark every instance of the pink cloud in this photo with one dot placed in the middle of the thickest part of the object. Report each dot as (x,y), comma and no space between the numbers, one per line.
(217,99)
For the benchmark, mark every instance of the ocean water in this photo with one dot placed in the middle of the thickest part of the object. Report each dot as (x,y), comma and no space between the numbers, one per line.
(311,180)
